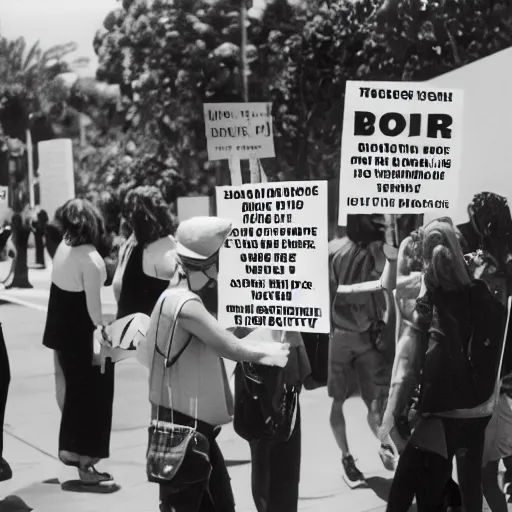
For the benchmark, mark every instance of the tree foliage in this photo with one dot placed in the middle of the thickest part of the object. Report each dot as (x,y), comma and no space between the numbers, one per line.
(395,40)
(28,85)
(171,57)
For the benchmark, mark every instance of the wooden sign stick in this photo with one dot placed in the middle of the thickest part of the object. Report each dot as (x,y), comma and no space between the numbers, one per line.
(255,170)
(235,171)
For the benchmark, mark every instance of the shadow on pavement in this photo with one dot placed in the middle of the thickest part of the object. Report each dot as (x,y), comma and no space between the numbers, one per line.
(380,486)
(79,486)
(53,481)
(234,463)
(14,504)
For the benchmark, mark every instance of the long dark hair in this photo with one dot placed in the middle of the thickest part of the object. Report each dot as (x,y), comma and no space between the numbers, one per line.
(148,214)
(365,229)
(491,218)
(82,223)
(111,208)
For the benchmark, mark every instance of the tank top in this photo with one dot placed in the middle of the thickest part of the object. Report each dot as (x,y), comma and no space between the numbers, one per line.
(68,324)
(197,384)
(139,292)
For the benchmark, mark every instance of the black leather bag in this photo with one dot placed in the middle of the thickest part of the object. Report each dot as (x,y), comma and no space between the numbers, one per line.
(317,349)
(257,415)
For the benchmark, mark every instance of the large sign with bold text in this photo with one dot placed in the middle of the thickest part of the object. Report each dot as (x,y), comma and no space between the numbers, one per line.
(401,148)
(274,268)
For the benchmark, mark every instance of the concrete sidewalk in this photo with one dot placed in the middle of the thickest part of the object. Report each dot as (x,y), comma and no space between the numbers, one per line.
(32,424)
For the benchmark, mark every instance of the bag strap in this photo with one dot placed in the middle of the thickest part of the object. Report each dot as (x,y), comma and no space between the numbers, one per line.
(169,363)
(267,399)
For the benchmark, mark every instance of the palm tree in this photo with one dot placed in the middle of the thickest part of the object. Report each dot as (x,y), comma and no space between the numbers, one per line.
(36,93)
(28,91)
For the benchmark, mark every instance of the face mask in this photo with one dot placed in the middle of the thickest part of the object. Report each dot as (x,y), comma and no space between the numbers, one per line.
(203,281)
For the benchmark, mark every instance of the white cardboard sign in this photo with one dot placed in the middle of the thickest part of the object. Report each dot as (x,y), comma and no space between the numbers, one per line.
(239,130)
(401,148)
(274,266)
(56,177)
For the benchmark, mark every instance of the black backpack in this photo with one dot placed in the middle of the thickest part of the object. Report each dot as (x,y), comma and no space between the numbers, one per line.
(464,334)
(317,349)
(261,409)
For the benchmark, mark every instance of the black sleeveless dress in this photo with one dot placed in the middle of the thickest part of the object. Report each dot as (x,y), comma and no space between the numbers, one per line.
(5,379)
(87,412)
(139,292)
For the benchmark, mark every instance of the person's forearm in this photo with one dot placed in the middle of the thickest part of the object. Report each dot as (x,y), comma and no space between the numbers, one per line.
(404,377)
(94,308)
(400,394)
(240,350)
(142,354)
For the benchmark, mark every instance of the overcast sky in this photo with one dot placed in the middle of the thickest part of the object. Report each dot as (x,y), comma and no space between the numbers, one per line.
(59,21)
(56,22)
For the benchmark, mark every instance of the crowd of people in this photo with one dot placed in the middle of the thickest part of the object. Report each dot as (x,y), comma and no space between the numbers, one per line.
(426,346)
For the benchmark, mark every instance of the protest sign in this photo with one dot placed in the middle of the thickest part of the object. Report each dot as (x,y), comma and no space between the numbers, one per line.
(274,266)
(239,130)
(401,148)
(56,177)
(487,127)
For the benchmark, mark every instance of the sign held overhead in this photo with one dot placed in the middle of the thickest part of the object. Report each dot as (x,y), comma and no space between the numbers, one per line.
(239,130)
(401,148)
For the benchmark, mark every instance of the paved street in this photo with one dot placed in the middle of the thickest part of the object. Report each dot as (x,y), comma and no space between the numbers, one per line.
(32,422)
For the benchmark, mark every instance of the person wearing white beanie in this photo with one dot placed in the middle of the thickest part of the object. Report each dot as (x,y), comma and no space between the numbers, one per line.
(184,330)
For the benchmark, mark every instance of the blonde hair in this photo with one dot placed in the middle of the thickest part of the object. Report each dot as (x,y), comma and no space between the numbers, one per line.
(443,258)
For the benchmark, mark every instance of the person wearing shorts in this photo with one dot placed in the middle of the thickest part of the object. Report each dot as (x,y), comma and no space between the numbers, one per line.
(358,257)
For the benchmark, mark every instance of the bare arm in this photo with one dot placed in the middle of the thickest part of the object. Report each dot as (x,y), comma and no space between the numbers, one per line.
(165,267)
(195,319)
(94,275)
(407,287)
(117,280)
(406,368)
(160,259)
(402,267)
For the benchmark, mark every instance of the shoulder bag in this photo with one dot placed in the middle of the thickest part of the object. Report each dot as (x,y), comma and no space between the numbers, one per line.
(177,455)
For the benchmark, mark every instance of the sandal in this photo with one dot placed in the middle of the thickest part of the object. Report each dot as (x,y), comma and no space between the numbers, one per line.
(89,475)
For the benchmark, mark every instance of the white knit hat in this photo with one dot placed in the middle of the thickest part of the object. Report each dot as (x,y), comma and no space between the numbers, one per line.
(199,238)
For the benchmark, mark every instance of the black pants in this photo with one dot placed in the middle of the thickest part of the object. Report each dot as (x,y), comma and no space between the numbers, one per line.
(86,421)
(5,379)
(213,495)
(276,472)
(427,474)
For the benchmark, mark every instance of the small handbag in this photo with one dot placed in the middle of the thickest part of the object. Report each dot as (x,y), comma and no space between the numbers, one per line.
(317,349)
(177,455)
(256,416)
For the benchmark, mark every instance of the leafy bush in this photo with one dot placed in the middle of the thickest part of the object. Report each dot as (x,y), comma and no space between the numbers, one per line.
(171,57)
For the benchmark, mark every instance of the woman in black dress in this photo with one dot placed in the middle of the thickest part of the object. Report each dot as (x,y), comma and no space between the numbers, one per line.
(74,312)
(5,379)
(147,261)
